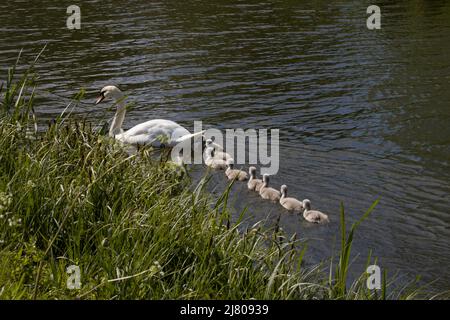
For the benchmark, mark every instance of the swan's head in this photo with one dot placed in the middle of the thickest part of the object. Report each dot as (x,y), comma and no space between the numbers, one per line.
(283,189)
(252,171)
(266,178)
(307,204)
(209,142)
(109,92)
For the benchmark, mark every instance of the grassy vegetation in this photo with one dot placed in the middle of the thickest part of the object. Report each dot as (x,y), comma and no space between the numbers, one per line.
(135,226)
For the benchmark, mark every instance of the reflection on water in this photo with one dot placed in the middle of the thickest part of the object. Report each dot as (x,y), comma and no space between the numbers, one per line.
(362,114)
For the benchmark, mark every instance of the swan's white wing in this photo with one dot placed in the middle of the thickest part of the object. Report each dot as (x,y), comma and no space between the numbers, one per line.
(153,131)
(156,125)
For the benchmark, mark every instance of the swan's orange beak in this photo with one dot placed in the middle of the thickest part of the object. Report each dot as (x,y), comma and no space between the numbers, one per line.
(100,99)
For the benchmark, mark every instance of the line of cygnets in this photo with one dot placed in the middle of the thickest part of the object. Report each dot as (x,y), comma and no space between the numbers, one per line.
(220,160)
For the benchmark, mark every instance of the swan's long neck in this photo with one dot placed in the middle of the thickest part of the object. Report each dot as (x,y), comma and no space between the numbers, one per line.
(305,210)
(116,125)
(305,213)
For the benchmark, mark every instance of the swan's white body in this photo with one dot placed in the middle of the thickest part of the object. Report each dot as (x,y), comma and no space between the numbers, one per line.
(157,133)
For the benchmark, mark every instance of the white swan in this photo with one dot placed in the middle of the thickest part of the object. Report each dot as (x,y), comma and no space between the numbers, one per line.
(313,215)
(157,133)
(290,204)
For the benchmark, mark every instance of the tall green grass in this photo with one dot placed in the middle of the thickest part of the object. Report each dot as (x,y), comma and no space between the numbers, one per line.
(134,224)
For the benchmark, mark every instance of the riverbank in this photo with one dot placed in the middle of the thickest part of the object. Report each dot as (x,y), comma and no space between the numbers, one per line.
(132,227)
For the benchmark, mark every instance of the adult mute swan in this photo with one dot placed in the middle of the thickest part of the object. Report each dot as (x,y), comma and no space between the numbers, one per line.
(157,133)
